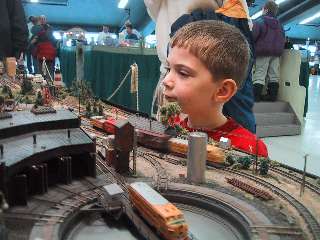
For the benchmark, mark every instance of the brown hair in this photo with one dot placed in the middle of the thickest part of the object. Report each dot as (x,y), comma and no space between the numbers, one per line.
(219,46)
(271,7)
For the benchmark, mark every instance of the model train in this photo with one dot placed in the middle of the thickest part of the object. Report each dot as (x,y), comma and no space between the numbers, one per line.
(151,134)
(166,218)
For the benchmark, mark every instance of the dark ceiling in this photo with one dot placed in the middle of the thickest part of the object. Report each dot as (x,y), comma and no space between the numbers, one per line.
(95,13)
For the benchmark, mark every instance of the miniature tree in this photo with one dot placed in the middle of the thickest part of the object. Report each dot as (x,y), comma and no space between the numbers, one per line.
(230,160)
(88,109)
(7,91)
(81,89)
(245,162)
(95,110)
(100,110)
(27,100)
(26,86)
(1,103)
(39,100)
(264,166)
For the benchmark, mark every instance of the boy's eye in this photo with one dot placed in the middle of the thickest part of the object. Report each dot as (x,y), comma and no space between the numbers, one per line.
(167,70)
(183,73)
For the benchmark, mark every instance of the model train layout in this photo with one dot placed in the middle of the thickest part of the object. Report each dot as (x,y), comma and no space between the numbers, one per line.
(57,164)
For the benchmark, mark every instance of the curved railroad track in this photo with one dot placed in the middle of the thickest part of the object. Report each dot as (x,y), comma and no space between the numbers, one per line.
(296,179)
(309,219)
(161,179)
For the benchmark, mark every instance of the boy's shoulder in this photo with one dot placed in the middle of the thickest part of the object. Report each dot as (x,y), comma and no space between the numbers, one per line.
(241,138)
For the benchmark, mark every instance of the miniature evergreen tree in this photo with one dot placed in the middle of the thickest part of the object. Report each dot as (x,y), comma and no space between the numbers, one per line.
(95,110)
(1,103)
(245,162)
(230,160)
(26,86)
(264,166)
(7,91)
(81,89)
(39,100)
(27,100)
(100,110)
(88,109)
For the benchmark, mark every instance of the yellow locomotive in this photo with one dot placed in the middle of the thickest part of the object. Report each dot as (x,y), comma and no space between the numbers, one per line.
(158,212)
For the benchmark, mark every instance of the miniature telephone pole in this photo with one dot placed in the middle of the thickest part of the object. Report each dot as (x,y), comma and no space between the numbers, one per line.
(304,175)
(135,151)
(255,164)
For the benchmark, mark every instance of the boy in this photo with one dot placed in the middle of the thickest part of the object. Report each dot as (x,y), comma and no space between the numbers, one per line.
(233,12)
(164,13)
(269,41)
(204,71)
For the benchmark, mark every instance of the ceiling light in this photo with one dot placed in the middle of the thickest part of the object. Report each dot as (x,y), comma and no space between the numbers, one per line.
(122,3)
(34,1)
(309,19)
(258,14)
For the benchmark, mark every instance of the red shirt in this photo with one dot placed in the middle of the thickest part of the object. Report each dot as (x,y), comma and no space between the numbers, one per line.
(240,138)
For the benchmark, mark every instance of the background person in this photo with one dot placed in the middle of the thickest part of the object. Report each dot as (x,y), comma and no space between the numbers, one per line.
(130,35)
(32,64)
(102,37)
(269,40)
(128,25)
(13,29)
(45,45)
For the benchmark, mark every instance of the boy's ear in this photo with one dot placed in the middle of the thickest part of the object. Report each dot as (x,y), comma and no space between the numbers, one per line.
(225,90)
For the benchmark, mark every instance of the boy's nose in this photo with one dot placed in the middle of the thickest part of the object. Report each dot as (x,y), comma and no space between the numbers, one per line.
(168,81)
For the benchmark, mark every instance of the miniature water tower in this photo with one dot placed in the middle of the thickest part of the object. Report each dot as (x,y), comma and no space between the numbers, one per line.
(197,157)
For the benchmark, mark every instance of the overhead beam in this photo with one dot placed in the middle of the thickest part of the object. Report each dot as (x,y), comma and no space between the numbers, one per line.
(297,10)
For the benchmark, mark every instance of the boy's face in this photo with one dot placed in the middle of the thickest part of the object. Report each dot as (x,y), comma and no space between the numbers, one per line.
(190,83)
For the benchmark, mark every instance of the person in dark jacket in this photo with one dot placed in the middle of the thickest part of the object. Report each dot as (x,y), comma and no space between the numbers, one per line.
(269,40)
(13,29)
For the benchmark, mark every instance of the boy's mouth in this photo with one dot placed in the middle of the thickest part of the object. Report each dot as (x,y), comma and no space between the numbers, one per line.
(170,99)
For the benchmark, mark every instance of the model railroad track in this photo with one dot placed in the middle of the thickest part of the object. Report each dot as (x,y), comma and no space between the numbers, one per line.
(137,221)
(73,106)
(73,203)
(296,179)
(309,219)
(114,111)
(98,133)
(162,178)
(37,217)
(176,160)
(111,174)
